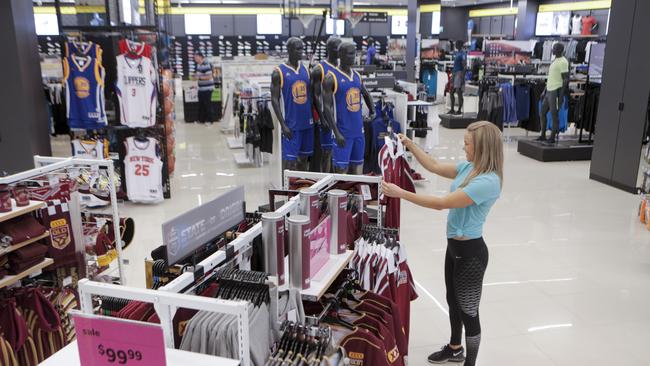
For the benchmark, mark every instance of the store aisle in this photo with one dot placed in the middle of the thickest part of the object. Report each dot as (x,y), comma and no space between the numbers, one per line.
(567,282)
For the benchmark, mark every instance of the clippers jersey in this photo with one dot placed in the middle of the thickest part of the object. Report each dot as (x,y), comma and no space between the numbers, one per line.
(347,101)
(83,78)
(136,91)
(143,171)
(295,96)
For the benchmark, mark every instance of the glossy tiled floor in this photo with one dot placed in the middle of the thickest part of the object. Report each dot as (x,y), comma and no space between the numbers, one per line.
(568,281)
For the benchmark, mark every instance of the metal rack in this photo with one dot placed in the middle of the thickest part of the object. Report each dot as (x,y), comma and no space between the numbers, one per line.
(166,304)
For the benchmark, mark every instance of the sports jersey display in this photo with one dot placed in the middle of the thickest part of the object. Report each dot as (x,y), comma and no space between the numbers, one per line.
(89,149)
(295,96)
(326,135)
(83,49)
(143,171)
(394,169)
(347,102)
(136,91)
(83,77)
(134,48)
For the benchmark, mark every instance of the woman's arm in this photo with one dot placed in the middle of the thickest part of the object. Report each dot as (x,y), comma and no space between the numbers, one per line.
(456,199)
(442,169)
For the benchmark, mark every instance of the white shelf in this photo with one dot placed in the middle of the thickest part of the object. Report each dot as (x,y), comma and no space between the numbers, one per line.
(69,356)
(18,211)
(13,247)
(242,159)
(324,278)
(11,279)
(419,103)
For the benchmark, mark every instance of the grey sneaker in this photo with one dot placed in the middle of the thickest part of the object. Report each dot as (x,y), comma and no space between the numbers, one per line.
(446,354)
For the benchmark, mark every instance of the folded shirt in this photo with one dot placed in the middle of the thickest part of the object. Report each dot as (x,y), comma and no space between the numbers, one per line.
(22,228)
(29,252)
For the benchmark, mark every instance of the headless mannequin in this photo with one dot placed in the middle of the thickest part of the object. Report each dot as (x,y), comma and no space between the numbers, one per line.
(458,85)
(295,49)
(317,77)
(347,53)
(552,101)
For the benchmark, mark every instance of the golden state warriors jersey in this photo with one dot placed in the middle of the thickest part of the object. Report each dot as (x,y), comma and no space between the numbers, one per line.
(295,96)
(347,100)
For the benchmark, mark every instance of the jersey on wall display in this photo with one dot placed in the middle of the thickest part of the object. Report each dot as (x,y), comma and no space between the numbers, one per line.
(143,170)
(83,77)
(136,91)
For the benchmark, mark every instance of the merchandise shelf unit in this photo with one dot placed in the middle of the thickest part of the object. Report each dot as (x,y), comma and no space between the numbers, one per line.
(11,248)
(12,279)
(19,211)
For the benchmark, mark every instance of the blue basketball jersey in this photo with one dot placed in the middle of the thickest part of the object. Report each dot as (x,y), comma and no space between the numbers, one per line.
(325,69)
(295,95)
(347,100)
(83,49)
(84,88)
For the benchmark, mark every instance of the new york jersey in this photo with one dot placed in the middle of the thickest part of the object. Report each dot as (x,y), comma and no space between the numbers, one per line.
(295,96)
(347,102)
(143,171)
(136,91)
(83,77)
(88,149)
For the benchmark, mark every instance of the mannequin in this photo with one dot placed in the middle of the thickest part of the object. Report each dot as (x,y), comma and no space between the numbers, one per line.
(458,78)
(318,74)
(372,51)
(342,93)
(292,107)
(557,89)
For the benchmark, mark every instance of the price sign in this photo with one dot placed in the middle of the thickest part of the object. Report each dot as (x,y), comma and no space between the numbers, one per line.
(105,341)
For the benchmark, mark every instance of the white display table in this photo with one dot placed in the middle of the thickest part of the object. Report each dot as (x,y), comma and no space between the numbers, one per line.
(69,356)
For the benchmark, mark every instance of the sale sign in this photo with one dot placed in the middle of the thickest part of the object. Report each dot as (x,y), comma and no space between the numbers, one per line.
(105,341)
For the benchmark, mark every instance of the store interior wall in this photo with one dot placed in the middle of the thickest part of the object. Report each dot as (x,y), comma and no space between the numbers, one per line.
(23,125)
(454,23)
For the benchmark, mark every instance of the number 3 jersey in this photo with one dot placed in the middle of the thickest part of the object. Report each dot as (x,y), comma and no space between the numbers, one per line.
(143,171)
(136,91)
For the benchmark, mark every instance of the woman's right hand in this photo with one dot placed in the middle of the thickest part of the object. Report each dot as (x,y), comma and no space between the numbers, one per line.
(407,142)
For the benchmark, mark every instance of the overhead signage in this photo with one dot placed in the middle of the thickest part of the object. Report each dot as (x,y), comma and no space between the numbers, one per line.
(375,17)
(105,341)
(186,233)
(379,83)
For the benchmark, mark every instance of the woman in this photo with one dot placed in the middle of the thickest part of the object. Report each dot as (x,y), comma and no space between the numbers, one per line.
(476,187)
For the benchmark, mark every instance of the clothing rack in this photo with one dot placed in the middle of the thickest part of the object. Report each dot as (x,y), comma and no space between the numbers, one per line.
(166,304)
(331,302)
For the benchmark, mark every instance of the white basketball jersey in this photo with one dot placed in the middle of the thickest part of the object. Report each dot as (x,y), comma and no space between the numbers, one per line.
(88,149)
(143,171)
(136,91)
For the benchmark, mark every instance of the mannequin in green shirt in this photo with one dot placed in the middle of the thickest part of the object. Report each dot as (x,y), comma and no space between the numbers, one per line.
(557,88)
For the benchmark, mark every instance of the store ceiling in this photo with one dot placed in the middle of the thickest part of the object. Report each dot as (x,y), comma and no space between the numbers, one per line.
(302,2)
(475,2)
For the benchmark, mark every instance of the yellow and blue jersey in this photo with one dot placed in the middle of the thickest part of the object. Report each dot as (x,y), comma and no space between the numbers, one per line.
(347,100)
(295,96)
(84,86)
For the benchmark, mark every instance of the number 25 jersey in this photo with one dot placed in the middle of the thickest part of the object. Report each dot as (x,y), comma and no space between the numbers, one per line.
(143,171)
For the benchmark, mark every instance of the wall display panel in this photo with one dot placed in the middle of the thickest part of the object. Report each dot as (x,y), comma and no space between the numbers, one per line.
(340,26)
(223,25)
(198,24)
(361,29)
(246,25)
(380,29)
(269,24)
(398,25)
(508,26)
(553,23)
(484,25)
(50,45)
(497,25)
(46,25)
(435,22)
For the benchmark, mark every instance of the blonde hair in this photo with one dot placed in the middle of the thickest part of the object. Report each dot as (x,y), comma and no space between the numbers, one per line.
(488,150)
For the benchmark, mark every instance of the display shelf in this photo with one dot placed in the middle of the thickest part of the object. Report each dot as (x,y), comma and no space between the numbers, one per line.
(235,142)
(324,278)
(11,279)
(110,270)
(11,248)
(19,211)
(69,356)
(564,150)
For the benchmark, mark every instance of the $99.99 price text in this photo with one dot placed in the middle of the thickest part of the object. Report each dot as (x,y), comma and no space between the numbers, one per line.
(121,357)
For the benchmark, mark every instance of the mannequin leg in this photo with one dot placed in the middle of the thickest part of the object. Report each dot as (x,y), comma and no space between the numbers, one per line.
(555,116)
(326,161)
(302,163)
(339,170)
(356,169)
(542,116)
(460,100)
(453,101)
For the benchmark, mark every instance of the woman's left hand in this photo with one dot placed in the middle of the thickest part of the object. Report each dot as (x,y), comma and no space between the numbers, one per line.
(391,190)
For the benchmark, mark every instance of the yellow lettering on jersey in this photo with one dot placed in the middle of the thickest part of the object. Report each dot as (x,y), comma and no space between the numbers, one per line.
(299,92)
(393,355)
(356,355)
(82,87)
(59,222)
(353,99)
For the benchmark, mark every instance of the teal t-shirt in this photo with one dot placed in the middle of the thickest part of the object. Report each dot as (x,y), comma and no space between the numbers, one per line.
(484,190)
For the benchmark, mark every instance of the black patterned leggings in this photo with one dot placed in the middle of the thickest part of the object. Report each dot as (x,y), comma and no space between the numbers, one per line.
(465,265)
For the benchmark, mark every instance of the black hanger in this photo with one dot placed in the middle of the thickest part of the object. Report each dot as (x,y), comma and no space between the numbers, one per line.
(141,135)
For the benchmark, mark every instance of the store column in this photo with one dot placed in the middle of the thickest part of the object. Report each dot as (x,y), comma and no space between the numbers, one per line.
(526,19)
(23,114)
(411,41)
